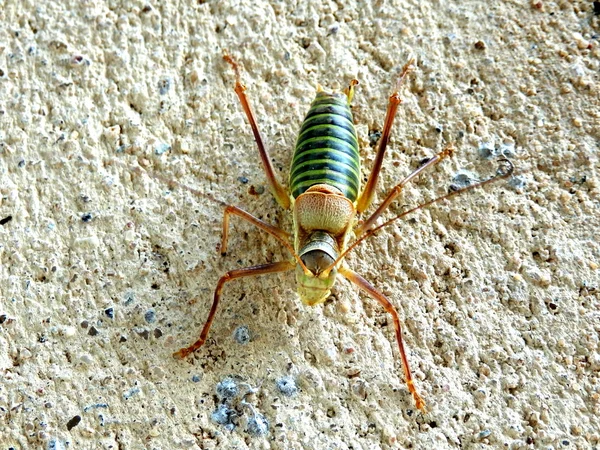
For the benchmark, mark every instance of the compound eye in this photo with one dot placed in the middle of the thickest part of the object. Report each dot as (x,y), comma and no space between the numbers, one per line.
(317,261)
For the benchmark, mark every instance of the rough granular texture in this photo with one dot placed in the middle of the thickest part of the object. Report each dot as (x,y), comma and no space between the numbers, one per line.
(107,267)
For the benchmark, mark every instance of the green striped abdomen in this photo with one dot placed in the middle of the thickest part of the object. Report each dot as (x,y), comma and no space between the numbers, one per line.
(327,148)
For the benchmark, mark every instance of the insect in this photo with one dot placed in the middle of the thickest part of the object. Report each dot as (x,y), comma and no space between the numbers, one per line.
(326,200)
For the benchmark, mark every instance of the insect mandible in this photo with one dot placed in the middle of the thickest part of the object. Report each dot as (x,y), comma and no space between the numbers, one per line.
(326,200)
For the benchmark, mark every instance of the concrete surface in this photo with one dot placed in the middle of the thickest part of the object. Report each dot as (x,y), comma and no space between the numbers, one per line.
(107,269)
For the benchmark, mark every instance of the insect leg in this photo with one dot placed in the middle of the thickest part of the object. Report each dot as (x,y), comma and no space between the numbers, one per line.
(394,101)
(262,269)
(277,189)
(280,235)
(349,91)
(367,287)
(396,190)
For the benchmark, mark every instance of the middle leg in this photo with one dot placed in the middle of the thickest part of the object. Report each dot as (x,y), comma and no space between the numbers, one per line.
(396,190)
(280,235)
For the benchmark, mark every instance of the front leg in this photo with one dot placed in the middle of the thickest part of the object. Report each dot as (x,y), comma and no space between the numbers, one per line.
(367,287)
(229,276)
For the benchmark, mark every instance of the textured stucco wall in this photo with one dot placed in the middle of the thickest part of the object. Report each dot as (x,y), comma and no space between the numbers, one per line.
(105,271)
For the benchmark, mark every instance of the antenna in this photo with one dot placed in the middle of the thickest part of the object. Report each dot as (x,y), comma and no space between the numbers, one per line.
(501,173)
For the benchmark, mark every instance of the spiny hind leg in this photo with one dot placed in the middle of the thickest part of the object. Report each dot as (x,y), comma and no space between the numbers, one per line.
(394,101)
(367,287)
(277,189)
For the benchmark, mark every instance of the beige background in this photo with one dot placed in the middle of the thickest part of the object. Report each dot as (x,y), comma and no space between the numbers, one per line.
(498,289)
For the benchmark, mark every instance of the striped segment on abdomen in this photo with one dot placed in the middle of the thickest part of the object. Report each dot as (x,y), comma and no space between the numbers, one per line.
(327,148)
